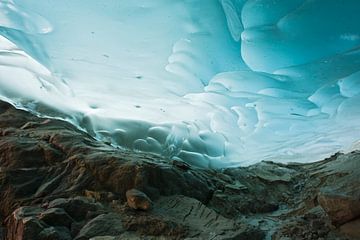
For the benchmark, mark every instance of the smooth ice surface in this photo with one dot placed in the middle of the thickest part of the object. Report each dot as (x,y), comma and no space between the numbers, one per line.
(212,82)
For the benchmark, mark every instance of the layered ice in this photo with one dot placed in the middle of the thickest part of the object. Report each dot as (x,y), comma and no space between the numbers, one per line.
(212,82)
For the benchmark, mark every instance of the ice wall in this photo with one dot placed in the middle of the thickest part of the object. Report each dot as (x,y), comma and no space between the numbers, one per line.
(212,82)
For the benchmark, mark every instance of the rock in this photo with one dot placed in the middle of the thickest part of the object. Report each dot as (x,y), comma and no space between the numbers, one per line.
(236,187)
(76,227)
(23,224)
(100,196)
(181,165)
(77,207)
(26,228)
(272,172)
(29,125)
(102,225)
(24,212)
(249,233)
(33,223)
(55,233)
(340,208)
(202,221)
(138,200)
(339,194)
(351,229)
(150,225)
(103,238)
(56,217)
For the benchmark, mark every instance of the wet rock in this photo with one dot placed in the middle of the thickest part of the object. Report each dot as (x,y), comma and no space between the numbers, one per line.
(138,200)
(102,225)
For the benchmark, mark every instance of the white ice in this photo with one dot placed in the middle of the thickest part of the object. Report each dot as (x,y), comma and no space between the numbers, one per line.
(212,82)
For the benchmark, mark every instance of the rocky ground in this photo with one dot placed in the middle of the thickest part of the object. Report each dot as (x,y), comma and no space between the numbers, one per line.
(57,182)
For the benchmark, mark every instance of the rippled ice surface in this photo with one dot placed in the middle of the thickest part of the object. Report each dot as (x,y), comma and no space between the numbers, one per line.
(212,82)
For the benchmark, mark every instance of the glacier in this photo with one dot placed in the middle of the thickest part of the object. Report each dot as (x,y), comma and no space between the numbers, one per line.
(215,83)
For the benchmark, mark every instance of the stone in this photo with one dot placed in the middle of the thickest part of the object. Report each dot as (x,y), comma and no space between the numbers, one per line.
(24,228)
(138,200)
(340,208)
(56,217)
(103,238)
(76,227)
(102,225)
(236,187)
(181,165)
(55,233)
(100,196)
(24,212)
(33,223)
(271,172)
(77,207)
(351,229)
(202,220)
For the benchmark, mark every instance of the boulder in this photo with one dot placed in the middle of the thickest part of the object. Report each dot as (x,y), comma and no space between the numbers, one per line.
(351,229)
(103,225)
(138,200)
(23,225)
(77,207)
(56,217)
(55,233)
(341,208)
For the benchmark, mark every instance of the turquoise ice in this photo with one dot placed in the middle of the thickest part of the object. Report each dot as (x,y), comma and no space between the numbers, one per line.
(211,82)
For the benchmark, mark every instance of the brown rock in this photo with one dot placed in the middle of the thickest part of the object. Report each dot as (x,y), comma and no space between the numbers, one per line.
(138,200)
(340,208)
(351,229)
(23,225)
(100,196)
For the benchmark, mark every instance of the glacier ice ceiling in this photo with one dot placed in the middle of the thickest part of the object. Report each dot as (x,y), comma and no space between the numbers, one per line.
(212,82)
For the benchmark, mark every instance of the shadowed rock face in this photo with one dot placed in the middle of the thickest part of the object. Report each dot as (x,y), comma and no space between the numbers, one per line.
(56,182)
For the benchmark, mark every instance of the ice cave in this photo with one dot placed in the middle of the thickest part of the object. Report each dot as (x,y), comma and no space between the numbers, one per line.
(214,83)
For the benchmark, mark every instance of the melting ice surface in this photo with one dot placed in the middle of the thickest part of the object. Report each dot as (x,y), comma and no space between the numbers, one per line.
(212,82)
